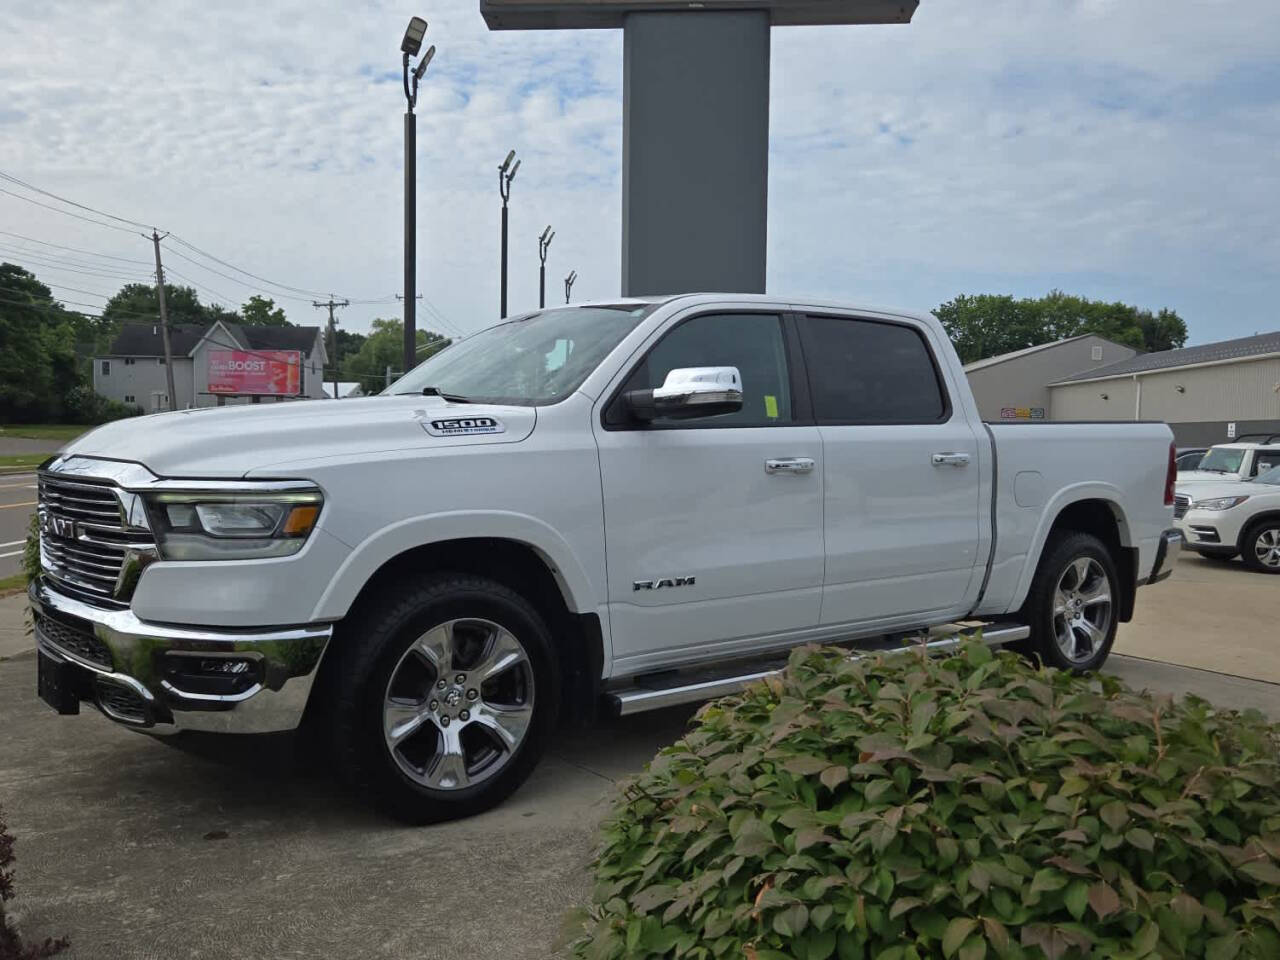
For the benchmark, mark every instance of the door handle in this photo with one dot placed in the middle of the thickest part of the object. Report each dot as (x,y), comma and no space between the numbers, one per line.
(789,465)
(950,459)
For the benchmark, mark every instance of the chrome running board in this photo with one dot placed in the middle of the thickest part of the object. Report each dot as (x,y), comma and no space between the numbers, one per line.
(655,691)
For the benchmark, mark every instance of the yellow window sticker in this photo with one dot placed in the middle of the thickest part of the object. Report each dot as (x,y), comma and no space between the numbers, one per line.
(771,406)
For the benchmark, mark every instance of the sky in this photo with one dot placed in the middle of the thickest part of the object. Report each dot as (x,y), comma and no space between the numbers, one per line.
(1116,149)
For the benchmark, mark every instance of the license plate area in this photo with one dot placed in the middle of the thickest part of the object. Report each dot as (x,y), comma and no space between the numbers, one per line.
(57,683)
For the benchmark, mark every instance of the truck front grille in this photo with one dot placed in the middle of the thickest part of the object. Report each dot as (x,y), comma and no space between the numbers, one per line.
(84,542)
(1181,503)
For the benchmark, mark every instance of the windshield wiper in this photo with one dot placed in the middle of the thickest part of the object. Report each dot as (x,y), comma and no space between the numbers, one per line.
(451,397)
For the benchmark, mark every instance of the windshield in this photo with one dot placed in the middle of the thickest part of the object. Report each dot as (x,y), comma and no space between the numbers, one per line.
(536,359)
(1222,460)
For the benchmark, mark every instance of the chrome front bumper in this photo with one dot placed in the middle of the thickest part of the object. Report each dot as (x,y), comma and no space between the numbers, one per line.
(159,678)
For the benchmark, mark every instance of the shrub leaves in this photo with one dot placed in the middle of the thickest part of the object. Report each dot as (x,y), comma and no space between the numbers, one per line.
(965,807)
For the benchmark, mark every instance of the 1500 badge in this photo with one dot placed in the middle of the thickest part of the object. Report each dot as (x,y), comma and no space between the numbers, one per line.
(463,426)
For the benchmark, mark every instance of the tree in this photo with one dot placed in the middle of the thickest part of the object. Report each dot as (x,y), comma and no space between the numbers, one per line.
(384,347)
(986,325)
(262,312)
(37,348)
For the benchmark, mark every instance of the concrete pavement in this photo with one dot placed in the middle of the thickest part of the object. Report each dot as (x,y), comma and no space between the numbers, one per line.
(1209,615)
(137,849)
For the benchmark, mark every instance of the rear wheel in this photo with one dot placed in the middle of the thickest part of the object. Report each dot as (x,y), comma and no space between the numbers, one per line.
(446,698)
(1072,606)
(1261,546)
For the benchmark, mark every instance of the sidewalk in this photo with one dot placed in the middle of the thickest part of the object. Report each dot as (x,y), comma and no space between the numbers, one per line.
(14,638)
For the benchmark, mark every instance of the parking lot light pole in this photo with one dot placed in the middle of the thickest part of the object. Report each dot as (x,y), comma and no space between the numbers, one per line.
(409,47)
(544,244)
(506,173)
(568,284)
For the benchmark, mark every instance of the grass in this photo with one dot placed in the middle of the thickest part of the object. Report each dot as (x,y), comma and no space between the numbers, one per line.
(21,462)
(11,585)
(44,431)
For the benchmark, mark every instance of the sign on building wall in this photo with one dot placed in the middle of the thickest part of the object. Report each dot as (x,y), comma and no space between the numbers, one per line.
(1022,413)
(271,373)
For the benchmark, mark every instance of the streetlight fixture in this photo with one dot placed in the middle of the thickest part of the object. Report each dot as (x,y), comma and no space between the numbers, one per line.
(568,284)
(409,47)
(544,244)
(506,173)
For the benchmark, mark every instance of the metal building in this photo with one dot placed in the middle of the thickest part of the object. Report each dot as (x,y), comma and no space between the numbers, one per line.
(1015,386)
(1207,394)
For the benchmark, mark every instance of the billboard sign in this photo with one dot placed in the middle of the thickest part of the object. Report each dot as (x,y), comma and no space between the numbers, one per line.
(268,373)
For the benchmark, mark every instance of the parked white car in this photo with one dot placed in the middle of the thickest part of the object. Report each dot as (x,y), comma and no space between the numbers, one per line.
(1242,460)
(1236,518)
(616,506)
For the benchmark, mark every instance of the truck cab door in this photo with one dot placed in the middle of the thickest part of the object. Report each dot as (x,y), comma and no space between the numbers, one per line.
(902,479)
(713,526)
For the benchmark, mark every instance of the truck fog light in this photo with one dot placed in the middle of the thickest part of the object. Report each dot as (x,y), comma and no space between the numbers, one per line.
(205,675)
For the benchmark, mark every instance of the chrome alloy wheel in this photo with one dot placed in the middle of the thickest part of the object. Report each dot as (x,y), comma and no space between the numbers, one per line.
(1266,547)
(1082,609)
(458,704)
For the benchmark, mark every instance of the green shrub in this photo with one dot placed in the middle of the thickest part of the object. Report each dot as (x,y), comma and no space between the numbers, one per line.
(969,806)
(31,549)
(83,405)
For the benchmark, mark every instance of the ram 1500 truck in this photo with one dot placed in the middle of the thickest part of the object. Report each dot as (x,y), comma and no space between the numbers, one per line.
(612,506)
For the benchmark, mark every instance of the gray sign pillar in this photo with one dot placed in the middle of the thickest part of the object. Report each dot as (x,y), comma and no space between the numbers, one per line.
(695,152)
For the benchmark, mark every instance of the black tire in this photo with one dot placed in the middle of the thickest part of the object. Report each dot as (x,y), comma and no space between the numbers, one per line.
(370,650)
(1064,549)
(1262,536)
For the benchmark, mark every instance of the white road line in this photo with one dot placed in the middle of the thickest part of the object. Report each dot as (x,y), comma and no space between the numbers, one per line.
(15,553)
(11,543)
(24,477)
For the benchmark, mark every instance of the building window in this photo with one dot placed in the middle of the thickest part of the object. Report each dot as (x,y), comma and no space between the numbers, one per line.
(128,361)
(1097,353)
(106,368)
(128,398)
(160,360)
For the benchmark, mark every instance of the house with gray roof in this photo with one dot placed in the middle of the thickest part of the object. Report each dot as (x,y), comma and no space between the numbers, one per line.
(132,371)
(1207,393)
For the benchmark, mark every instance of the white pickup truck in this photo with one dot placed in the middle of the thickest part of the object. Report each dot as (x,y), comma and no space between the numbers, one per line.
(613,506)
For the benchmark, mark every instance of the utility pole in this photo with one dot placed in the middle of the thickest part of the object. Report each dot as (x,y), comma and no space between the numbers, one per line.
(568,284)
(333,334)
(505,176)
(409,47)
(164,320)
(544,244)
(411,313)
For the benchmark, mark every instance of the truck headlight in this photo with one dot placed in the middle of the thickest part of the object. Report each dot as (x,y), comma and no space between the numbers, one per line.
(233,526)
(1221,503)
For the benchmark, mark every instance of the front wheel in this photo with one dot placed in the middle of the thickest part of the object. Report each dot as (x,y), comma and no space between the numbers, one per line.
(447,697)
(1262,547)
(1071,607)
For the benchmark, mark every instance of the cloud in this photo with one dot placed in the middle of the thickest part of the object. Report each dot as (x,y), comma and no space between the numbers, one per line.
(1118,149)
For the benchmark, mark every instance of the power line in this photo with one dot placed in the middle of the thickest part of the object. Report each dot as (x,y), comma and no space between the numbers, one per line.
(101,275)
(66,213)
(206,290)
(232,266)
(94,253)
(58,259)
(227,276)
(101,213)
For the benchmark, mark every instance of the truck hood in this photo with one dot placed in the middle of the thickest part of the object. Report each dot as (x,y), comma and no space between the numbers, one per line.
(214,442)
(1212,491)
(1206,476)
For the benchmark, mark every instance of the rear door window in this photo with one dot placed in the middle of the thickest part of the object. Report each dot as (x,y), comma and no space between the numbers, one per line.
(869,372)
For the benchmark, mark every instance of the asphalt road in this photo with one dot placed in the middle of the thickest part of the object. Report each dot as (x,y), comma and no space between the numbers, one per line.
(17,503)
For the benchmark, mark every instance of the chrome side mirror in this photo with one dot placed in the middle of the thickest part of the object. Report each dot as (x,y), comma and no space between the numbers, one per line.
(689,392)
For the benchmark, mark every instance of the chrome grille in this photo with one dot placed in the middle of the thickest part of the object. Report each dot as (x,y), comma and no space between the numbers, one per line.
(1181,503)
(84,541)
